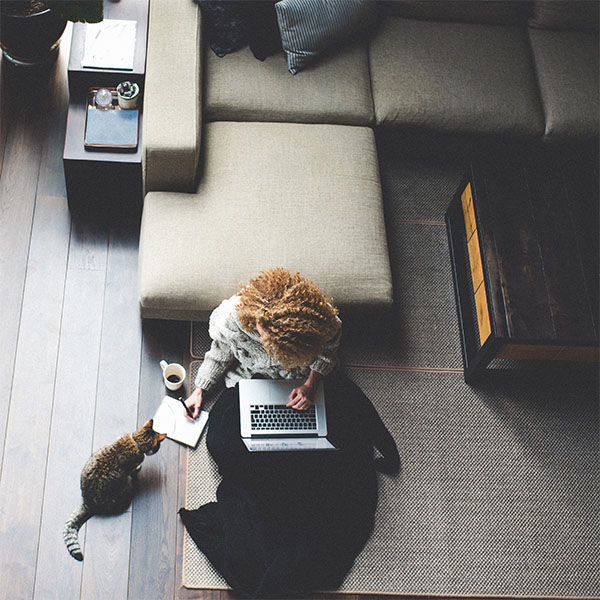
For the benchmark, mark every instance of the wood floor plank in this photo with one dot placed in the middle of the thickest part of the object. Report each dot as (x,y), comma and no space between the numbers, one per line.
(106,568)
(4,111)
(21,489)
(89,246)
(18,184)
(189,594)
(72,430)
(154,526)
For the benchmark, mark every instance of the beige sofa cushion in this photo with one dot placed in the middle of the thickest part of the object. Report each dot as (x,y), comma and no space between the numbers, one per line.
(306,197)
(455,77)
(337,89)
(567,69)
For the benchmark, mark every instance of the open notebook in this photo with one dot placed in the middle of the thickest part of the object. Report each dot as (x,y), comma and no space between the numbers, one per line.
(170,419)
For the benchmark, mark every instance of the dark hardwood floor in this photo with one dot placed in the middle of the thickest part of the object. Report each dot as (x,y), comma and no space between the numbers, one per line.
(79,369)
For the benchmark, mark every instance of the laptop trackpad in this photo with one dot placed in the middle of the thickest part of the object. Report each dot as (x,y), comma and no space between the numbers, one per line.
(285,444)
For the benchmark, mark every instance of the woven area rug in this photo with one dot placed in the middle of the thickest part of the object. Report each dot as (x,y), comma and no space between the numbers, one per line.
(498,492)
(499,489)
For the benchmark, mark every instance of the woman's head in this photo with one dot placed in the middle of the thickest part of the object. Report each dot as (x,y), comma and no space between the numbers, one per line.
(294,317)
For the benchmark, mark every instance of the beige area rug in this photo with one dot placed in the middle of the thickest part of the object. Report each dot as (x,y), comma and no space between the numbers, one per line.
(498,495)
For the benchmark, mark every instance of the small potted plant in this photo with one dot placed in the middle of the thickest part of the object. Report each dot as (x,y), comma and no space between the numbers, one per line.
(30,30)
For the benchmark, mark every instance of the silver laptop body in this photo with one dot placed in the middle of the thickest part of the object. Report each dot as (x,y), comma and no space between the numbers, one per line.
(266,424)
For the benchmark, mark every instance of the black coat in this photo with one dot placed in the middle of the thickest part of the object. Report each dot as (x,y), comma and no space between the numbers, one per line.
(292,522)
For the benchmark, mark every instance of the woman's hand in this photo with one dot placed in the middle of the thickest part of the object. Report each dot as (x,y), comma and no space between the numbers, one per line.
(194,402)
(301,397)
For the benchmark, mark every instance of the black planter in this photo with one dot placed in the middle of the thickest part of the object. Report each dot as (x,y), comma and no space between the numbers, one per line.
(32,39)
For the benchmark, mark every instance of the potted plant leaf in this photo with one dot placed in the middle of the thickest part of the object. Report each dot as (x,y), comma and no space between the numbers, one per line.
(30,30)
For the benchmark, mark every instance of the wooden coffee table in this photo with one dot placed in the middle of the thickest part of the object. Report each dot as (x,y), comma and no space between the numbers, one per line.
(523,234)
(98,180)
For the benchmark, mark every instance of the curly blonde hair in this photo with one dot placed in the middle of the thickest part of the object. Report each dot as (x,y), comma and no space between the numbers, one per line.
(297,318)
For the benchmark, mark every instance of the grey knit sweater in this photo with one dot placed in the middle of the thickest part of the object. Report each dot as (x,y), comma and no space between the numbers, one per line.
(238,354)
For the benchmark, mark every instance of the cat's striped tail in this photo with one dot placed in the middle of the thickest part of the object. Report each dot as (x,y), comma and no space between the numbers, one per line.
(70,533)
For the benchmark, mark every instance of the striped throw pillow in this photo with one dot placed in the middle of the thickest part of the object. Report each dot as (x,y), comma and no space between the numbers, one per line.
(308,27)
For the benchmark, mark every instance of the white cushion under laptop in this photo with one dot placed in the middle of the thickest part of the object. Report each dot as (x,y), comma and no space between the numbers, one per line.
(267,424)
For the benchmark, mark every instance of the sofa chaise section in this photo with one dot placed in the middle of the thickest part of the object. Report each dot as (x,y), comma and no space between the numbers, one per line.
(306,197)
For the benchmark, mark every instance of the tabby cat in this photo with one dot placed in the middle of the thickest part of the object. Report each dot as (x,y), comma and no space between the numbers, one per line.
(106,480)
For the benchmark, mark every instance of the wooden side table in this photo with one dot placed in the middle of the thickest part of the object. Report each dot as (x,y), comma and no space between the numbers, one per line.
(523,235)
(98,180)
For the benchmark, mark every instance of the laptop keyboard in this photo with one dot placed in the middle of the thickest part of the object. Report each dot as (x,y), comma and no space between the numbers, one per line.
(279,416)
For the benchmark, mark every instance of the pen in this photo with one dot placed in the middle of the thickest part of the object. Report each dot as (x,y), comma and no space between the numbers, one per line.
(187,410)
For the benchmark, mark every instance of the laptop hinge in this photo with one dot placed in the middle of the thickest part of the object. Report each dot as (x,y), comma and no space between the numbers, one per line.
(283,435)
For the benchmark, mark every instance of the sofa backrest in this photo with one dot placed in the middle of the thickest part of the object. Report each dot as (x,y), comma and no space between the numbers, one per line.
(495,12)
(582,15)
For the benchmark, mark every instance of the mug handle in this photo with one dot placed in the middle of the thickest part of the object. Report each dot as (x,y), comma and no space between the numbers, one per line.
(163,364)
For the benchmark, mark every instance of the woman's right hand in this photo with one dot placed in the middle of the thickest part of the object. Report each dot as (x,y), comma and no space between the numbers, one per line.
(194,402)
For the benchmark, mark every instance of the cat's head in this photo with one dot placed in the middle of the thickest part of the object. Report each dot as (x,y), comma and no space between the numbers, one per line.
(147,439)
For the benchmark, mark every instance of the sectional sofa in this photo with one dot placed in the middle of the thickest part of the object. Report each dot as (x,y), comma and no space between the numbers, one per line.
(248,167)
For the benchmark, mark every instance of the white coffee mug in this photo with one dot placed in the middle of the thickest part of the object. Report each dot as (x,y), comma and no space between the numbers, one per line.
(173,375)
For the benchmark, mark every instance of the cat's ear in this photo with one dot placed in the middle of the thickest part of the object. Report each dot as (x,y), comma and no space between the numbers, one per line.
(162,436)
(148,424)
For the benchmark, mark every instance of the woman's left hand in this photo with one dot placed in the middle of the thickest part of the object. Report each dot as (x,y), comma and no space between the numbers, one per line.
(301,397)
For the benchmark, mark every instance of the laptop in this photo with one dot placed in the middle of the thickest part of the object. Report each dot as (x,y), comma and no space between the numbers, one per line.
(267,424)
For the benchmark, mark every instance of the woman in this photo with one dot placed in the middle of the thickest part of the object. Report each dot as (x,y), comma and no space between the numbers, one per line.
(286,522)
(279,326)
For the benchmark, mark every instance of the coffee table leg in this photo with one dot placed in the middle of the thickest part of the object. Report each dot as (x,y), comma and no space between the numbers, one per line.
(476,368)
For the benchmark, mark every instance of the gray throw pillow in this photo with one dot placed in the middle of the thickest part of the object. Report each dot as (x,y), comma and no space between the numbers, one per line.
(309,27)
